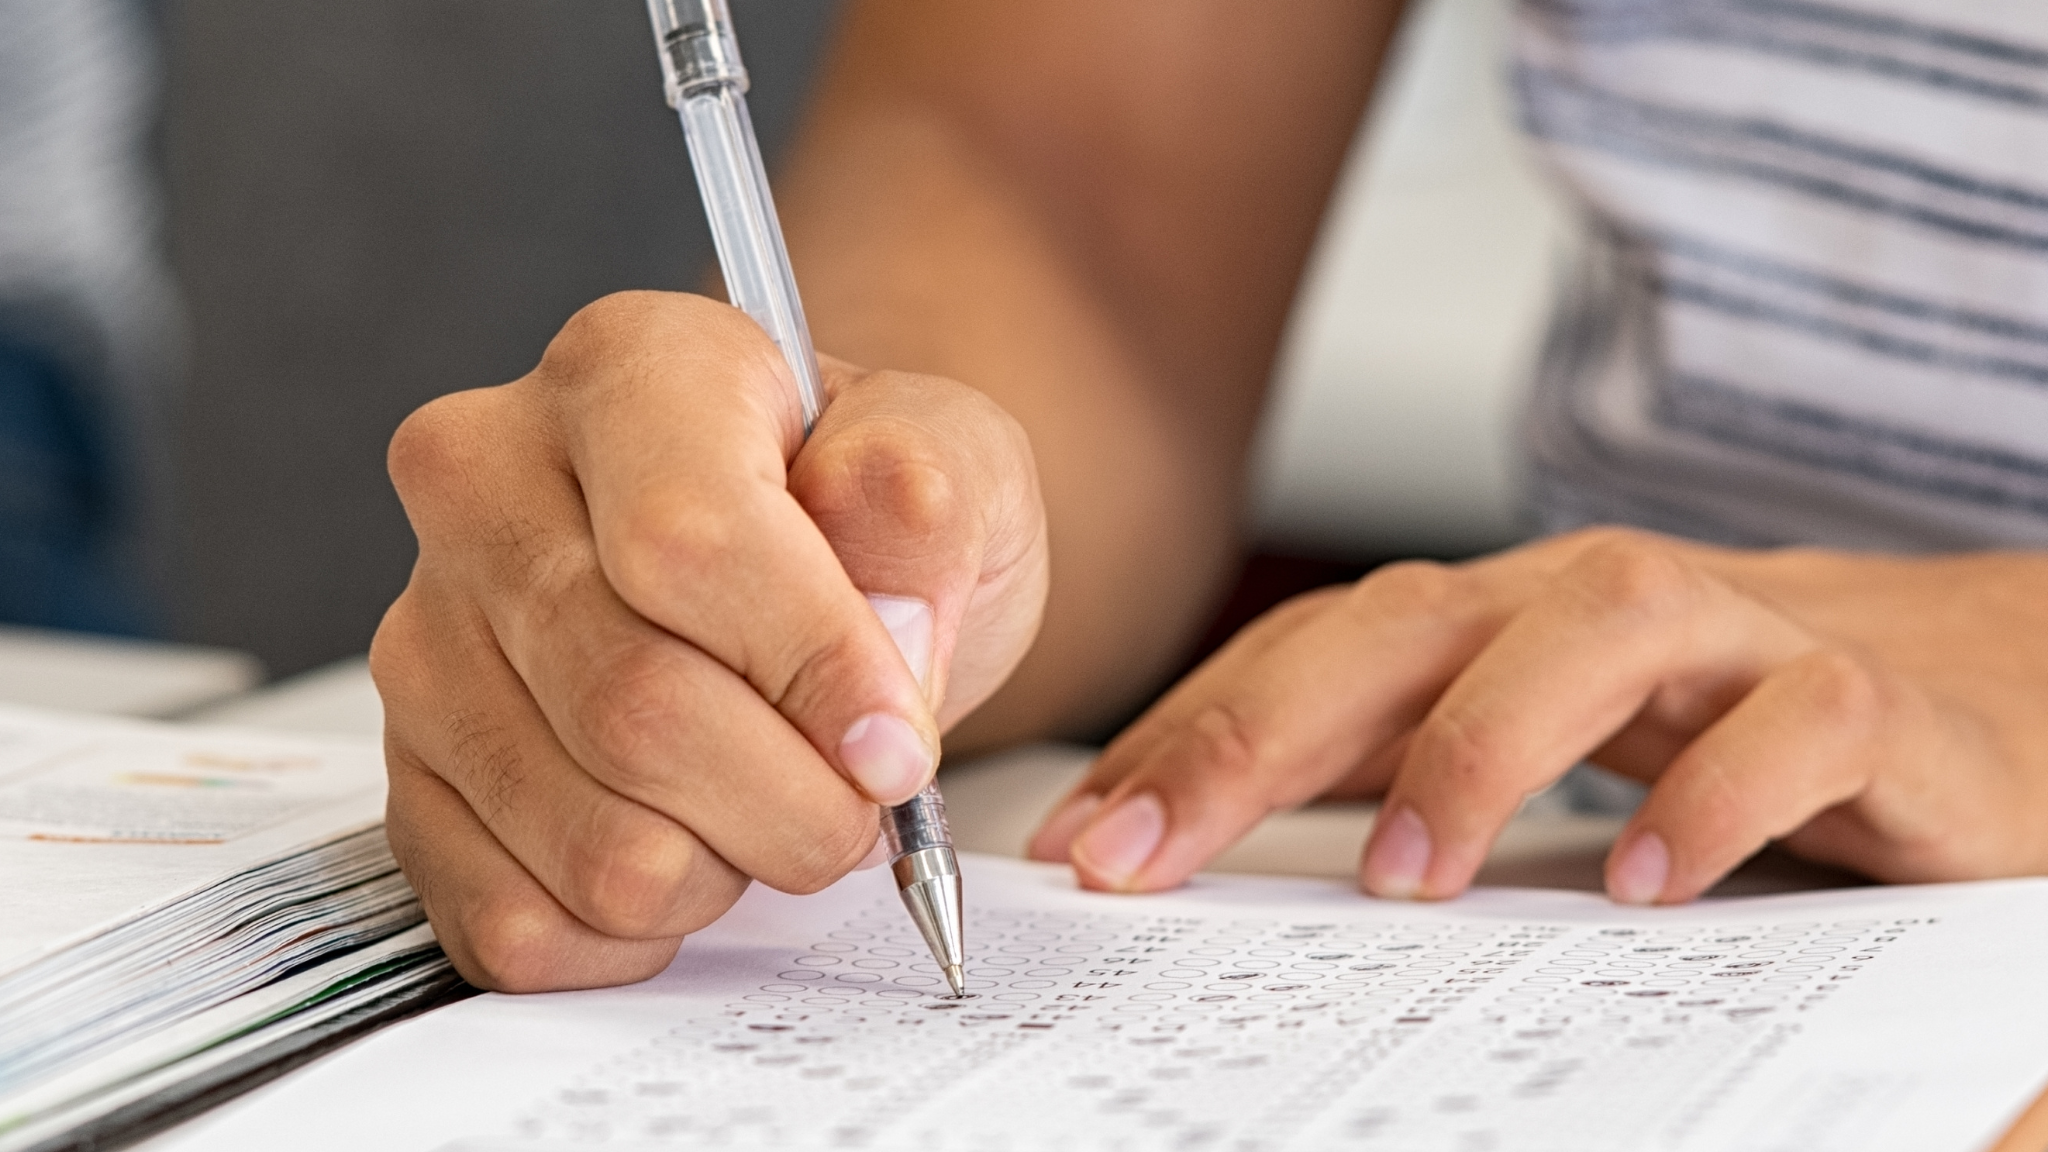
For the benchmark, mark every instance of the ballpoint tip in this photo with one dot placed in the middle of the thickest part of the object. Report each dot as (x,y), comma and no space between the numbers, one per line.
(954,978)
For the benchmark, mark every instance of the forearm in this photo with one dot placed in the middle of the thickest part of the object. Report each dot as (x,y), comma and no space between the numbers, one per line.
(1106,246)
(911,257)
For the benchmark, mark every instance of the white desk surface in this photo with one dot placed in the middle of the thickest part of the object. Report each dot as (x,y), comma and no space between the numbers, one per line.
(118,677)
(337,700)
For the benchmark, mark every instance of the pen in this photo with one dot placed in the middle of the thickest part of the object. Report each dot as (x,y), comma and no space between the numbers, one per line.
(707,85)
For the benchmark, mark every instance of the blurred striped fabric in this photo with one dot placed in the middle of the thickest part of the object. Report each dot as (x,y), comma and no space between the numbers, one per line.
(88,326)
(1816,305)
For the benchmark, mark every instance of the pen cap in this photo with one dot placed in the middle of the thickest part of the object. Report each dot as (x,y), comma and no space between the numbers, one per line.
(698,48)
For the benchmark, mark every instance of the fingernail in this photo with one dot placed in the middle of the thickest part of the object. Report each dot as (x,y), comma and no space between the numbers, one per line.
(876,857)
(886,757)
(1055,838)
(1399,856)
(1637,875)
(1115,846)
(909,621)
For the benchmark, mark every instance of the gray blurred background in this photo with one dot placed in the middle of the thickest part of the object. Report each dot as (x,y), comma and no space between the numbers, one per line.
(374,202)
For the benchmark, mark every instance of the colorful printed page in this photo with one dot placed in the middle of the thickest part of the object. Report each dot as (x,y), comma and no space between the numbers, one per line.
(103,821)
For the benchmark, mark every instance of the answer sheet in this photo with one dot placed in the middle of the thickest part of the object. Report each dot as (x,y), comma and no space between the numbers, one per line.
(1239,1013)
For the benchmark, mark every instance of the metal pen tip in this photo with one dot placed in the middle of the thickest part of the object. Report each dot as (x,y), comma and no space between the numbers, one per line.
(930,882)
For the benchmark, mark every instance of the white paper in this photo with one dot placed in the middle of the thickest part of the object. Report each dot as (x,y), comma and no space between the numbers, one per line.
(151,875)
(76,856)
(142,789)
(197,1042)
(1237,1014)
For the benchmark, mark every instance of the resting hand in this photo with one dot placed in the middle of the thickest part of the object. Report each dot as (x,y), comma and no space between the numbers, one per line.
(1879,714)
(638,665)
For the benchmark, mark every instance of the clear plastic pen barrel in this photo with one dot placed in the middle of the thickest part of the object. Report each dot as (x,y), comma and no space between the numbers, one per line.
(707,85)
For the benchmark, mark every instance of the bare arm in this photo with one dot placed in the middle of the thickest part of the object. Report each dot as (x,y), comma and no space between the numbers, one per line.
(1097,215)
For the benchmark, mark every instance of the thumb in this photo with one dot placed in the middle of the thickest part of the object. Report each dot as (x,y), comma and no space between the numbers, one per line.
(912,626)
(926,492)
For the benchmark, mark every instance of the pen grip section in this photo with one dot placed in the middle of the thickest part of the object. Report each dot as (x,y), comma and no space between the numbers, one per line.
(698,48)
(916,824)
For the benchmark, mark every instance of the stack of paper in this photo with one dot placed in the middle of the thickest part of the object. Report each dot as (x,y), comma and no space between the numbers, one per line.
(174,899)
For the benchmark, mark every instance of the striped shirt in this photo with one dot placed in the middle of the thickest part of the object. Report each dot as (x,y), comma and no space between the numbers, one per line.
(1815,308)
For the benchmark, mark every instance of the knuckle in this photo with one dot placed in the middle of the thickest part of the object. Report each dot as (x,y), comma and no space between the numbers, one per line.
(1222,741)
(408,824)
(1840,690)
(905,481)
(887,468)
(1460,754)
(432,451)
(626,711)
(1408,588)
(1298,608)
(922,446)
(636,878)
(600,331)
(516,941)
(666,544)
(396,648)
(600,325)
(1633,573)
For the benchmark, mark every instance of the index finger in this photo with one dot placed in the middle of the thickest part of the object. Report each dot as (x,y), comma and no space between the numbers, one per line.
(1309,693)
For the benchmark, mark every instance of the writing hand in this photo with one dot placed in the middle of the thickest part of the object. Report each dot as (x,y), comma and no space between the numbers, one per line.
(638,665)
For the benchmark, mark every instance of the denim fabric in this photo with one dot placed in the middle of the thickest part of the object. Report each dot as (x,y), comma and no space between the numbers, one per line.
(58,505)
